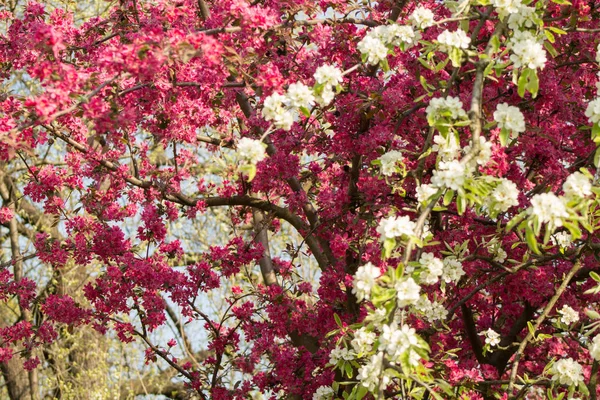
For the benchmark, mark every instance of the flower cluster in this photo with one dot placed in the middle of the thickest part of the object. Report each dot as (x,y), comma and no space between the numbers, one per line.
(399,342)
(549,208)
(509,118)
(376,44)
(323,393)
(567,372)
(448,107)
(568,316)
(431,310)
(457,39)
(340,354)
(594,348)
(503,197)
(408,292)
(433,268)
(393,227)
(282,109)
(422,18)
(492,337)
(363,340)
(389,162)
(449,175)
(505,7)
(528,53)
(453,269)
(364,280)
(327,78)
(250,150)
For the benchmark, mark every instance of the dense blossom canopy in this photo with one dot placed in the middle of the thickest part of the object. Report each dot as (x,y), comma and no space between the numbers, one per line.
(432,164)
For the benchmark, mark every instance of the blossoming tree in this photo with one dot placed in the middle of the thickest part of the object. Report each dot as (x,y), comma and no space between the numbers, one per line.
(436,162)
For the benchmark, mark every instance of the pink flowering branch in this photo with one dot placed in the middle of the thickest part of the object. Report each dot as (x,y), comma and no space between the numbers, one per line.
(538,322)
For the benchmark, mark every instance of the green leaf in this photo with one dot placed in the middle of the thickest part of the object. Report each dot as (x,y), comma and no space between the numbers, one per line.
(504,135)
(533,83)
(515,221)
(338,321)
(531,239)
(305,111)
(522,83)
(549,35)
(455,56)
(597,157)
(348,369)
(441,65)
(556,30)
(249,170)
(388,246)
(361,392)
(461,205)
(448,197)
(562,2)
(551,49)
(530,328)
(595,276)
(592,314)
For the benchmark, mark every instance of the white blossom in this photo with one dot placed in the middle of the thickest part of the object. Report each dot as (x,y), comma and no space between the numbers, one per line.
(408,292)
(432,311)
(422,18)
(568,315)
(425,191)
(364,280)
(363,341)
(395,35)
(373,48)
(519,36)
(458,39)
(328,75)
(500,255)
(562,240)
(325,96)
(449,175)
(577,185)
(402,34)
(369,374)
(504,196)
(448,147)
(509,118)
(548,208)
(393,227)
(299,95)
(323,393)
(251,150)
(485,151)
(492,337)
(338,354)
(453,270)
(593,111)
(273,106)
(434,268)
(595,348)
(567,372)
(447,105)
(274,110)
(528,53)
(378,317)
(505,7)
(523,18)
(389,161)
(396,341)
